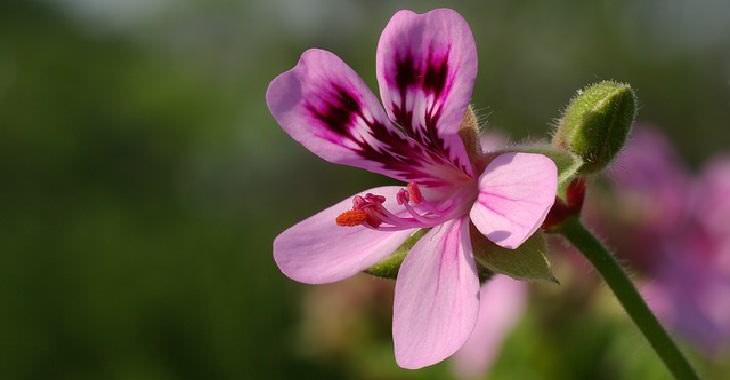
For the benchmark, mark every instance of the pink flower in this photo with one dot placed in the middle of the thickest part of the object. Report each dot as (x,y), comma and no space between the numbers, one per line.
(426,65)
(689,291)
(711,204)
(648,174)
(679,235)
(650,199)
(503,300)
(695,282)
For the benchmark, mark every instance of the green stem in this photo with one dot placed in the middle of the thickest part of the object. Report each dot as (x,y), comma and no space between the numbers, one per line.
(623,288)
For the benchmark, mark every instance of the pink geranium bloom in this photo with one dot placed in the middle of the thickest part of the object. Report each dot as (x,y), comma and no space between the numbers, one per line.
(426,65)
(692,282)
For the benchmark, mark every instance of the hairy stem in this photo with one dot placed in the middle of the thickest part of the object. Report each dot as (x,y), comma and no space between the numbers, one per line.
(628,296)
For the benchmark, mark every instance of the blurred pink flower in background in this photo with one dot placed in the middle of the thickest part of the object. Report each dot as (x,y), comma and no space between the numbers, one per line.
(711,203)
(675,228)
(651,193)
(648,173)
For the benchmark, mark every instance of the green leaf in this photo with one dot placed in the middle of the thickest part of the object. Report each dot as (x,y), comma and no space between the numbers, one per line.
(527,262)
(388,267)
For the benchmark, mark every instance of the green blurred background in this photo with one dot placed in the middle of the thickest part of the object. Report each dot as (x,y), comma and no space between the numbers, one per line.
(143,179)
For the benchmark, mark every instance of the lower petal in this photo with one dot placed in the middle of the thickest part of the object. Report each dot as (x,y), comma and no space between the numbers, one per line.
(317,251)
(516,192)
(436,297)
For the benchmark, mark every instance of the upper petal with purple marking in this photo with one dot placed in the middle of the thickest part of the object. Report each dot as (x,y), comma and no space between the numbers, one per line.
(426,66)
(323,104)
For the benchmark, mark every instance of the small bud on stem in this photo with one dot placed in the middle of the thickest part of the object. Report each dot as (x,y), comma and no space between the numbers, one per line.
(596,122)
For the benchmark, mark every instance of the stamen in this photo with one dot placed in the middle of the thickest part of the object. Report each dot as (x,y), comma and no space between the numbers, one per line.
(365,211)
(368,211)
(402,197)
(414,192)
(419,217)
(351,218)
(373,221)
(373,198)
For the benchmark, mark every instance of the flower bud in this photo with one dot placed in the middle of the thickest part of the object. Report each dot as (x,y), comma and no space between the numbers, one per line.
(595,124)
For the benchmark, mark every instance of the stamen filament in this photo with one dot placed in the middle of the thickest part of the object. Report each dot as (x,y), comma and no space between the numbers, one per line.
(368,211)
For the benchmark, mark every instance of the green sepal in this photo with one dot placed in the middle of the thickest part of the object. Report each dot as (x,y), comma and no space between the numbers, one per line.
(389,266)
(596,123)
(469,132)
(527,262)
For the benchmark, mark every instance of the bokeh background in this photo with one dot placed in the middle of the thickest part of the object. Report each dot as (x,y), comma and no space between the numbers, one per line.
(142,179)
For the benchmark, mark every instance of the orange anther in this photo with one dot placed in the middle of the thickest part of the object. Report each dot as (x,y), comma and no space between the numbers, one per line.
(351,218)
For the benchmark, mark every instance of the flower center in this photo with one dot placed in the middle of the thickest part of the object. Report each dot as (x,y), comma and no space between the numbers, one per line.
(368,211)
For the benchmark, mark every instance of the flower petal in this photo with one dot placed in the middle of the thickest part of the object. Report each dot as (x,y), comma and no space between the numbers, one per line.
(426,65)
(501,302)
(323,104)
(516,192)
(317,251)
(436,297)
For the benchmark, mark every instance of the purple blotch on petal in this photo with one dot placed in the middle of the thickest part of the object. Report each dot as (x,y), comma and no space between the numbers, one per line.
(337,110)
(434,79)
